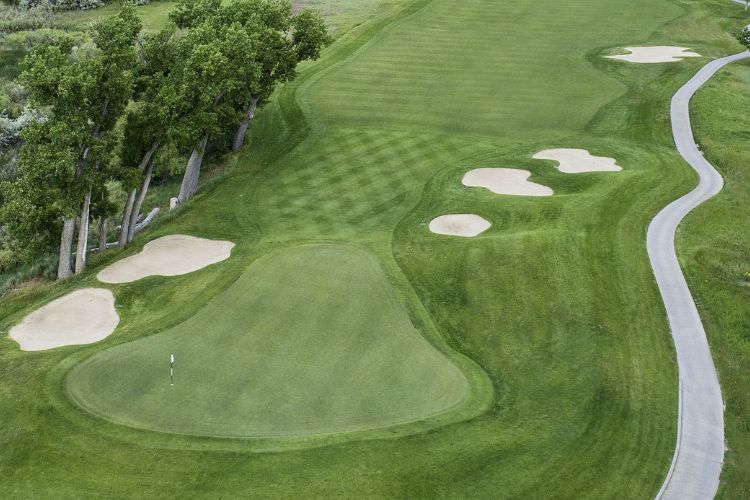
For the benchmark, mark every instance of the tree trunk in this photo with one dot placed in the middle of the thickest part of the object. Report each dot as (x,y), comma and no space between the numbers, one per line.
(83,235)
(139,202)
(126,218)
(239,137)
(128,210)
(192,172)
(66,248)
(103,231)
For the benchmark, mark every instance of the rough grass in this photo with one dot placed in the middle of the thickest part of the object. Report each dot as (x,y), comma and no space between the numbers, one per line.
(556,302)
(341,15)
(713,244)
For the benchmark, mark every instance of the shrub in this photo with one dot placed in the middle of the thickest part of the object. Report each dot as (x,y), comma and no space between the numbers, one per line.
(61,4)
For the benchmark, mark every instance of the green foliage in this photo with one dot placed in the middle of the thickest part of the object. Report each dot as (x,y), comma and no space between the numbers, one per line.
(69,155)
(60,4)
(744,37)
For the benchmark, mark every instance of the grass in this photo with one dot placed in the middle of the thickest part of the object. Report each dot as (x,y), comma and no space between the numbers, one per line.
(556,302)
(10,62)
(154,15)
(293,326)
(342,15)
(713,245)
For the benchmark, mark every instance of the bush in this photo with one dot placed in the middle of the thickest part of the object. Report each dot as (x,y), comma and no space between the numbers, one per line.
(61,4)
(10,129)
(7,261)
(27,40)
(744,37)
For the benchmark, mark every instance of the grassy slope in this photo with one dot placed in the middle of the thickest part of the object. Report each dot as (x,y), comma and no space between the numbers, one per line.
(267,357)
(713,245)
(556,302)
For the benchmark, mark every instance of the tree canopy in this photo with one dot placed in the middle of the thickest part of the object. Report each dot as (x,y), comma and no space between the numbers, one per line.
(117,98)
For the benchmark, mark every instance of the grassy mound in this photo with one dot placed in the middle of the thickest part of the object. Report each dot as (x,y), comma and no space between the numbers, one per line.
(309,340)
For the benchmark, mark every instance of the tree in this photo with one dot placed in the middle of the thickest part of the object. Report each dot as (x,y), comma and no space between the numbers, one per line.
(141,139)
(744,37)
(43,196)
(86,92)
(215,59)
(285,40)
(147,123)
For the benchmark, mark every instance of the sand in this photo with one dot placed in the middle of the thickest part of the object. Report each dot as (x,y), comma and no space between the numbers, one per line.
(81,317)
(511,181)
(466,225)
(657,54)
(167,256)
(575,161)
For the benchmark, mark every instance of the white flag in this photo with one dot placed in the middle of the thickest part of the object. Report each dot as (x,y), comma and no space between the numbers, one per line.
(171,358)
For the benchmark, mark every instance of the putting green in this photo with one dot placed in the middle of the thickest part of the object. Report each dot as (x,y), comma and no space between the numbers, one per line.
(309,340)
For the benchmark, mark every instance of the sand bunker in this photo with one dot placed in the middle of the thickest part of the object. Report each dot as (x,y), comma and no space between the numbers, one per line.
(658,54)
(167,256)
(81,317)
(575,161)
(466,225)
(505,181)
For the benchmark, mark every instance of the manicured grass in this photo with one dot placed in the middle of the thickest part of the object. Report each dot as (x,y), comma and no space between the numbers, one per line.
(713,244)
(556,302)
(268,357)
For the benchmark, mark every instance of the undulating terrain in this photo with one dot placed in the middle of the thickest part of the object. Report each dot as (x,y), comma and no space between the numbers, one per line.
(532,361)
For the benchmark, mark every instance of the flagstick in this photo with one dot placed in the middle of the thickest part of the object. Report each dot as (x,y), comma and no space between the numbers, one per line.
(171,369)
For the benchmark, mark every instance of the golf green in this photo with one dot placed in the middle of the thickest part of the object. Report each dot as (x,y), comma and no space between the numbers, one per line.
(309,340)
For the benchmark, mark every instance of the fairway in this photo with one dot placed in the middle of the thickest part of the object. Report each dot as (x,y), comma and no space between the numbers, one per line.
(309,340)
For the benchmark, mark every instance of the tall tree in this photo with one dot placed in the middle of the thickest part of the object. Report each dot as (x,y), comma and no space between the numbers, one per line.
(216,58)
(86,93)
(148,122)
(285,40)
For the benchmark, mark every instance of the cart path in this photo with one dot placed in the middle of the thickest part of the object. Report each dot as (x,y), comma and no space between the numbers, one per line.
(699,453)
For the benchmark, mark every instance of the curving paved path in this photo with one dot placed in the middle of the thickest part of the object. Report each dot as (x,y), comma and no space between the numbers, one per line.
(699,453)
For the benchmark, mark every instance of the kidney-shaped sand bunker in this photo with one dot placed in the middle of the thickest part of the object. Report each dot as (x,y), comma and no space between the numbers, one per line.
(656,54)
(167,256)
(512,181)
(576,161)
(81,317)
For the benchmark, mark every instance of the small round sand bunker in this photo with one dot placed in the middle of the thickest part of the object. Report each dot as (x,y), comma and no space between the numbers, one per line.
(656,54)
(167,256)
(575,161)
(511,181)
(81,317)
(466,225)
